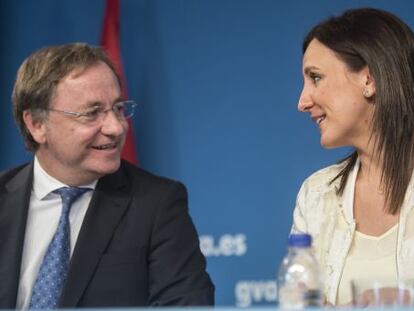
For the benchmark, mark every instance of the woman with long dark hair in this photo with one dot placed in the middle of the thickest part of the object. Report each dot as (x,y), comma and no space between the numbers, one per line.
(358,73)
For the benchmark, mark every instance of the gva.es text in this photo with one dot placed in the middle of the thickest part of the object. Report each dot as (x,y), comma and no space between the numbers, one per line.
(255,292)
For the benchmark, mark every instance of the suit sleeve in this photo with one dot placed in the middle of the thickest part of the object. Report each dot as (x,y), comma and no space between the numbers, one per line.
(177,268)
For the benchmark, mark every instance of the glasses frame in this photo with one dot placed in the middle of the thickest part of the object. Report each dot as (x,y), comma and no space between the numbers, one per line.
(102,113)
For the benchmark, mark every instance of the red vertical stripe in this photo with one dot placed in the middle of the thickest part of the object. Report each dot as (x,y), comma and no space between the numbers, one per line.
(110,43)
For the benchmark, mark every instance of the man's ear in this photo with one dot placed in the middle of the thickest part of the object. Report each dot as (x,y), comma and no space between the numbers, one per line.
(368,83)
(37,128)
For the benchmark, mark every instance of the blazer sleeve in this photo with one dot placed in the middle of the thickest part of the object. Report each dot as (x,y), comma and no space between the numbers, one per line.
(299,213)
(177,268)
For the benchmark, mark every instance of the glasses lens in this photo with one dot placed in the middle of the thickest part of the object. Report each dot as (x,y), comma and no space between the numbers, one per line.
(128,108)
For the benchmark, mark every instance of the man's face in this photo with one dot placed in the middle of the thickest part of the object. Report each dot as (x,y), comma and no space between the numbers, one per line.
(75,150)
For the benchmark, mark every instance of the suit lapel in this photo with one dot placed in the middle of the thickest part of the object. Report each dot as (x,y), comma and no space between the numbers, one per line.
(14,202)
(108,204)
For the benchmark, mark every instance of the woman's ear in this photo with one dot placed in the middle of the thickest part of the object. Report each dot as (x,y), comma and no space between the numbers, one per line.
(368,83)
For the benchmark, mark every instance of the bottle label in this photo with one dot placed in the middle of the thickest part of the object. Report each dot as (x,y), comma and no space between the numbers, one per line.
(313,298)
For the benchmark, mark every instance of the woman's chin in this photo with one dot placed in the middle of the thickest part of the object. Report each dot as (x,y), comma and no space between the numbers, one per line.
(329,143)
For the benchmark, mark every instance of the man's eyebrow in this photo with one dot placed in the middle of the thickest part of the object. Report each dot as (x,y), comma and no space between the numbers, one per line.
(119,99)
(98,103)
(92,104)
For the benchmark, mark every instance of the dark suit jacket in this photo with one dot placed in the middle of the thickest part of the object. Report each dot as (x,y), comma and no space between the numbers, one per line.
(137,245)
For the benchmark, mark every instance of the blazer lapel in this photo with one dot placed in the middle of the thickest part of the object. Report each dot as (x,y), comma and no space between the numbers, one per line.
(14,202)
(108,204)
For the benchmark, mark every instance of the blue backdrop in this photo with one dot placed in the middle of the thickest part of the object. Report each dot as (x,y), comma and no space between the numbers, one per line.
(217,83)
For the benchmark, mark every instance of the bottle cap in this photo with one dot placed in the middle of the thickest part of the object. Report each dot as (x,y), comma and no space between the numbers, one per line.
(299,240)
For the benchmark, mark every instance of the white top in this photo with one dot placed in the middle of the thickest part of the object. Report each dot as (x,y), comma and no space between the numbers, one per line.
(329,219)
(370,259)
(42,221)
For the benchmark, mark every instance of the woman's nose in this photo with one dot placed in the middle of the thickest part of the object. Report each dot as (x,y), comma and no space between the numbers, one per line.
(305,101)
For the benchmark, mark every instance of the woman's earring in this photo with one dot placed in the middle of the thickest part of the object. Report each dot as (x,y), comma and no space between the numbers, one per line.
(366,93)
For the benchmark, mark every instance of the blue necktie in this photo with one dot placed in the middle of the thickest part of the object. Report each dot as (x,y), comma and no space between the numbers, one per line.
(54,268)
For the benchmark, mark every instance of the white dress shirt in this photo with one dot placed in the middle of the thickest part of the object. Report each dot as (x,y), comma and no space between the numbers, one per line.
(42,220)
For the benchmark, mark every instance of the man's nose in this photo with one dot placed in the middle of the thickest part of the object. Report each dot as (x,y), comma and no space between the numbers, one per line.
(113,125)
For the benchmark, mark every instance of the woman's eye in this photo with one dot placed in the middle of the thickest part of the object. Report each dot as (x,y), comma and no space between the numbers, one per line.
(315,77)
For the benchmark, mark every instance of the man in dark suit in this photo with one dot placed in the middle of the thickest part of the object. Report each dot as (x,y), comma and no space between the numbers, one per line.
(125,238)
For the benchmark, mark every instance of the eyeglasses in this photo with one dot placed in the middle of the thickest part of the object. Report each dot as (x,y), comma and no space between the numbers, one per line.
(122,110)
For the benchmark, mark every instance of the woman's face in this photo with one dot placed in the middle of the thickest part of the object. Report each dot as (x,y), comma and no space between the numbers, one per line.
(334,97)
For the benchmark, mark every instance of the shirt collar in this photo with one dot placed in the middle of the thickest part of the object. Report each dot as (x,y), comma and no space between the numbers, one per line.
(44,184)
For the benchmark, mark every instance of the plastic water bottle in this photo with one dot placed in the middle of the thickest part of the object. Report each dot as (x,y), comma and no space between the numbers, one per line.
(299,280)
